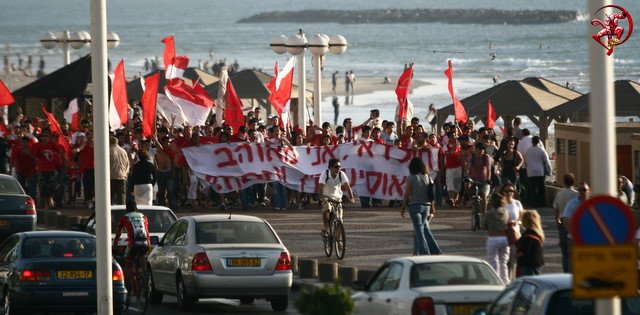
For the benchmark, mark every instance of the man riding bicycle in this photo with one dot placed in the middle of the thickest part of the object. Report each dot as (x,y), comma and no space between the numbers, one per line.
(332,181)
(136,225)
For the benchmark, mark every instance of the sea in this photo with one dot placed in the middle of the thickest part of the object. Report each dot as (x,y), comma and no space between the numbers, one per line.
(207,30)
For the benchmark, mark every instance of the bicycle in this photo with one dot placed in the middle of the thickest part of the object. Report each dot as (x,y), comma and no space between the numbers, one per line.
(335,236)
(138,287)
(476,215)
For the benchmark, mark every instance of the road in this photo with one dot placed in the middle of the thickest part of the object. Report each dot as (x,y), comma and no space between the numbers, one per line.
(373,236)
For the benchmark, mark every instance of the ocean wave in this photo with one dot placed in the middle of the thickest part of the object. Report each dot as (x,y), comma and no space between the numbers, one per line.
(625,61)
(582,16)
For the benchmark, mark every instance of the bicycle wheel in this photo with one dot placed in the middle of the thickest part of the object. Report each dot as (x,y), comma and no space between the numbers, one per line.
(142,298)
(328,240)
(340,240)
(474,215)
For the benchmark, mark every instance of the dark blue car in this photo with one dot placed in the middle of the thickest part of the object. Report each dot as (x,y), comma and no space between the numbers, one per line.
(17,209)
(53,271)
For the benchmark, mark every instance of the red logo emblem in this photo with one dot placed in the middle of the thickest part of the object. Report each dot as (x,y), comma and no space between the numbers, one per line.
(611,32)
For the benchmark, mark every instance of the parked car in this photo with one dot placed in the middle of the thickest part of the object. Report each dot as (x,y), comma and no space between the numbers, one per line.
(53,271)
(160,220)
(221,256)
(548,294)
(17,209)
(431,284)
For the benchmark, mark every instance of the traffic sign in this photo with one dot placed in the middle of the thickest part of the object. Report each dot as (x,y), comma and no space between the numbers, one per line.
(604,271)
(603,220)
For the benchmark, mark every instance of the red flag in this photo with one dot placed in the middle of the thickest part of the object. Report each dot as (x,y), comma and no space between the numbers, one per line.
(119,104)
(491,115)
(402,90)
(6,97)
(55,129)
(169,51)
(149,101)
(271,86)
(72,114)
(460,113)
(233,115)
(280,97)
(177,67)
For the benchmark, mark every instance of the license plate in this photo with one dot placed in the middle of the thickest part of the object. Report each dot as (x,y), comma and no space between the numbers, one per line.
(75,274)
(4,223)
(243,262)
(465,309)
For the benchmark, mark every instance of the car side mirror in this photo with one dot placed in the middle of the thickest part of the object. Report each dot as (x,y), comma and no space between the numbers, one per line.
(155,240)
(358,285)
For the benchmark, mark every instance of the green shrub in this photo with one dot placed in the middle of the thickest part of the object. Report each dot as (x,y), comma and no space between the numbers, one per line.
(327,299)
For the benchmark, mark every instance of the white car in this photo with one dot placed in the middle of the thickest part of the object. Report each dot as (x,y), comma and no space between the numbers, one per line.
(221,256)
(430,284)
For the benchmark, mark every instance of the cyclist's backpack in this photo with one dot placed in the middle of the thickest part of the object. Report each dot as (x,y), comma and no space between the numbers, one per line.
(140,236)
(327,177)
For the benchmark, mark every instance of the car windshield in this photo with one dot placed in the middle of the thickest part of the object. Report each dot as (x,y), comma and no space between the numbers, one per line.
(234,232)
(58,247)
(10,186)
(452,273)
(562,303)
(159,220)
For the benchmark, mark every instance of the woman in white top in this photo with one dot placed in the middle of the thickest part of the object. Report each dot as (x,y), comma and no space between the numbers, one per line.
(515,210)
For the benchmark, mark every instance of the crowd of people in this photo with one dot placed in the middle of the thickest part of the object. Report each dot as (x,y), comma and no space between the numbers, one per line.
(509,172)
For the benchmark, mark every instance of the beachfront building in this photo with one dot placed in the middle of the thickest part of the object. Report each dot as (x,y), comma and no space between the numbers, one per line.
(573,145)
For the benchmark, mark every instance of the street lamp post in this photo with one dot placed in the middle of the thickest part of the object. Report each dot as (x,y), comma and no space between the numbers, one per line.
(76,40)
(319,44)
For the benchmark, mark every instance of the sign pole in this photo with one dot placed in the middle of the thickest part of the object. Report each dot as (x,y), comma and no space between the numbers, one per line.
(601,108)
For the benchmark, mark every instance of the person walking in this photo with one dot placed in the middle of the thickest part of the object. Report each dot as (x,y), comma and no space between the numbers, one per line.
(515,210)
(495,222)
(143,177)
(530,245)
(538,167)
(510,163)
(347,82)
(119,162)
(419,196)
(336,109)
(560,201)
(584,193)
(334,81)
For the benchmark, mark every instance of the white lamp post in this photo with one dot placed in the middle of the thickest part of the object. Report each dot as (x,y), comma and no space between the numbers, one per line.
(76,40)
(319,44)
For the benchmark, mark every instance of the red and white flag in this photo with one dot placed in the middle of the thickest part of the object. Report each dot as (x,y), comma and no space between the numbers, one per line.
(169,51)
(149,102)
(460,113)
(233,115)
(119,104)
(72,114)
(176,68)
(491,115)
(402,91)
(280,97)
(271,86)
(6,97)
(195,104)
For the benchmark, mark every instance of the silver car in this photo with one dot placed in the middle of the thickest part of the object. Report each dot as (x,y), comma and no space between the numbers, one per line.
(221,256)
(548,294)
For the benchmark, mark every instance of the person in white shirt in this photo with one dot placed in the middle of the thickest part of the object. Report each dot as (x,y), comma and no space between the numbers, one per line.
(515,210)
(538,167)
(332,181)
(559,203)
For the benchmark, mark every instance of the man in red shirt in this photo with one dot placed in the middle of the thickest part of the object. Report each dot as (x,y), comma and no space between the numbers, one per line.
(453,164)
(47,160)
(181,164)
(85,155)
(136,225)
(25,166)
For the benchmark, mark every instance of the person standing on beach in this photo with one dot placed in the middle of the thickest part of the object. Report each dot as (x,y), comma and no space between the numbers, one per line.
(334,81)
(352,76)
(347,82)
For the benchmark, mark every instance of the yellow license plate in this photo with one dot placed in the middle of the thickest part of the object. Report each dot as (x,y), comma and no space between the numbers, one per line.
(4,223)
(465,309)
(243,262)
(75,274)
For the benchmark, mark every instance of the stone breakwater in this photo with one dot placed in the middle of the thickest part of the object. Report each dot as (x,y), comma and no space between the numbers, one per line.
(453,16)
